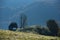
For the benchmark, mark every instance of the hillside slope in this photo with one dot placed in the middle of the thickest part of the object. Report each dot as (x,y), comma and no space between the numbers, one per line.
(10,35)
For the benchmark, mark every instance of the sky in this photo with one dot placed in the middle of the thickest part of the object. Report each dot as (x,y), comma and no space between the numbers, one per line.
(37,11)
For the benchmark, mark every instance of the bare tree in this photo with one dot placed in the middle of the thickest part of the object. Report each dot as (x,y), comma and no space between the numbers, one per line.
(23,20)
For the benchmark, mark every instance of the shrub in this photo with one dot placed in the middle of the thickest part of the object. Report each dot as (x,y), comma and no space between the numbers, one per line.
(13,26)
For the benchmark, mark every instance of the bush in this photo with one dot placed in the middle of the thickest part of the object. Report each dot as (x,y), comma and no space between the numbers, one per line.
(13,26)
(59,32)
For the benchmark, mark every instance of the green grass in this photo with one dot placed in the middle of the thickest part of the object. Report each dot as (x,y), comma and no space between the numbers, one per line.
(11,35)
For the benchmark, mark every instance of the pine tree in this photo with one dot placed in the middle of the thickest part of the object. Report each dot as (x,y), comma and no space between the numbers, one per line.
(53,27)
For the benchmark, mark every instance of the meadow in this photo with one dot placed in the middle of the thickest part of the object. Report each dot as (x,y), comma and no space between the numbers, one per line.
(14,35)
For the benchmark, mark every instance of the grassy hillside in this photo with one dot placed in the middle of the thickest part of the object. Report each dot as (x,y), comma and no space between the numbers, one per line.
(10,35)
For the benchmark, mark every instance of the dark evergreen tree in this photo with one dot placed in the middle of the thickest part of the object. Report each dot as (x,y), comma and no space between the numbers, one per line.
(53,27)
(13,26)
